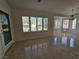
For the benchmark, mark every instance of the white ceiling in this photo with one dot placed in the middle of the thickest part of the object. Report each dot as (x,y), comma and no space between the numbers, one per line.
(56,6)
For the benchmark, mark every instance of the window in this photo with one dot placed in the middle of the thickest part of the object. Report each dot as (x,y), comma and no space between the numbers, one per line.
(74,23)
(39,23)
(65,24)
(25,21)
(45,23)
(57,22)
(33,24)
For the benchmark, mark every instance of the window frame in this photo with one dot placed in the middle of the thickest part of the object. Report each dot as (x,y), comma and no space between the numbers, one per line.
(30,23)
(44,24)
(57,26)
(75,24)
(22,25)
(67,23)
(36,24)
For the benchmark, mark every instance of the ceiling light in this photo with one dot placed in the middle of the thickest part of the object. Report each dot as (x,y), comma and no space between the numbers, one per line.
(39,0)
(72,17)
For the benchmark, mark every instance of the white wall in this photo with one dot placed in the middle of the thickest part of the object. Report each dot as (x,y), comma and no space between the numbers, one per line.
(17,21)
(17,14)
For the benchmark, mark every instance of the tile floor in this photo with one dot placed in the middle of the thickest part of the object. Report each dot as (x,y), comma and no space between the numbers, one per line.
(45,48)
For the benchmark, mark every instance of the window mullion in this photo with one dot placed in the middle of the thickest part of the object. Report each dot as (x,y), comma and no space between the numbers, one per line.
(36,24)
(42,24)
(30,23)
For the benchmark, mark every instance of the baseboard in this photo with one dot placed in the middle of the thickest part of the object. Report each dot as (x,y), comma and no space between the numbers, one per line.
(33,39)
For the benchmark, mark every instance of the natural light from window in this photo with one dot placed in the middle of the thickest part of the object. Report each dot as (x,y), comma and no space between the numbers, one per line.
(74,23)
(45,22)
(39,23)
(65,24)
(58,22)
(25,21)
(33,24)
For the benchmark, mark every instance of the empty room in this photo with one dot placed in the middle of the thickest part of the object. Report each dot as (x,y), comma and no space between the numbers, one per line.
(39,29)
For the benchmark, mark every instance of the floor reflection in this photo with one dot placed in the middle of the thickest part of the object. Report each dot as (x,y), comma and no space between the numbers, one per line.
(65,41)
(35,50)
(72,42)
(28,52)
(47,48)
(55,40)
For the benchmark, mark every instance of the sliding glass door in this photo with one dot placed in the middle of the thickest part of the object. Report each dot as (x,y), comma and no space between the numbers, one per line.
(62,25)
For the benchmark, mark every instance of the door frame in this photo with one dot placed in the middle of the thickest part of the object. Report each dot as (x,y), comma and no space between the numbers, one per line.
(5,47)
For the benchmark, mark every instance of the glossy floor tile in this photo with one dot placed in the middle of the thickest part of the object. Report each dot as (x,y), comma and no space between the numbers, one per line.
(46,48)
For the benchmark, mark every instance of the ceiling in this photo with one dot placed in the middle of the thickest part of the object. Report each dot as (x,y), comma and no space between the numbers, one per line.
(54,6)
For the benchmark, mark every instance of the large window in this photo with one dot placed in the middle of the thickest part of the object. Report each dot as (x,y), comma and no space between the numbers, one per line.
(45,23)
(25,21)
(33,24)
(74,23)
(64,22)
(39,23)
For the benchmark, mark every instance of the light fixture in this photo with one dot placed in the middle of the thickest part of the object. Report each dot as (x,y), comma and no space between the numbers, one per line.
(72,17)
(39,0)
